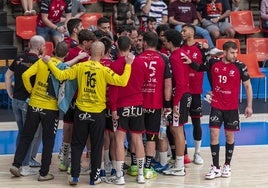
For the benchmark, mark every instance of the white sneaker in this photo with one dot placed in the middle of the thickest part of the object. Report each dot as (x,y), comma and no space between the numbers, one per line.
(140,179)
(119,180)
(213,173)
(215,51)
(226,171)
(198,159)
(27,171)
(175,171)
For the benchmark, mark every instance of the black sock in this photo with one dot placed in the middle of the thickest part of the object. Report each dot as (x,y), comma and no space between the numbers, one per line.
(148,161)
(215,150)
(229,150)
(133,159)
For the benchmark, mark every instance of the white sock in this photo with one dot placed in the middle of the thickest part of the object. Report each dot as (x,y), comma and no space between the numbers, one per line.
(140,163)
(102,165)
(106,156)
(119,168)
(179,163)
(197,145)
(163,158)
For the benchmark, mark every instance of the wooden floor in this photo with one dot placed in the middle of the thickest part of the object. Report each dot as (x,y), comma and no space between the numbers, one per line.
(249,169)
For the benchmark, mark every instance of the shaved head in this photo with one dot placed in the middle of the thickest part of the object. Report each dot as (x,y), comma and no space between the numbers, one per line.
(36,41)
(97,49)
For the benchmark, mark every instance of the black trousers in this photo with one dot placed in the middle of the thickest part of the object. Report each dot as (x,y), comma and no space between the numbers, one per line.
(49,120)
(87,124)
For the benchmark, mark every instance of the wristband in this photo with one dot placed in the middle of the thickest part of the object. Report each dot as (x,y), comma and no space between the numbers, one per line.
(167,104)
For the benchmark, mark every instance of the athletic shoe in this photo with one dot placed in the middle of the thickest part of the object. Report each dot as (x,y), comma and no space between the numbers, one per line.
(33,12)
(113,172)
(226,171)
(62,166)
(27,171)
(198,159)
(69,170)
(15,171)
(140,179)
(171,161)
(73,180)
(132,170)
(125,166)
(46,178)
(95,182)
(215,51)
(213,173)
(149,173)
(34,163)
(159,168)
(187,159)
(27,13)
(119,180)
(102,173)
(175,171)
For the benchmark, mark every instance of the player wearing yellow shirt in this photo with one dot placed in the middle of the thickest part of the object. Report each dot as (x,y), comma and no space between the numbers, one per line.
(89,118)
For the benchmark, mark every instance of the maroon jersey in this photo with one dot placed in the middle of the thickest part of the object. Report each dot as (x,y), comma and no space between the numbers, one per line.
(71,42)
(54,9)
(131,95)
(73,52)
(182,12)
(153,88)
(180,72)
(225,81)
(107,62)
(196,78)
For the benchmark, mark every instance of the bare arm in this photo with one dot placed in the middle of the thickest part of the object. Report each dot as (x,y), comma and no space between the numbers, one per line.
(167,95)
(147,7)
(8,81)
(248,89)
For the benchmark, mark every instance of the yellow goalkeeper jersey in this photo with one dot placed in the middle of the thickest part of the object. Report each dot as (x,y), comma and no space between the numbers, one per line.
(92,78)
(38,93)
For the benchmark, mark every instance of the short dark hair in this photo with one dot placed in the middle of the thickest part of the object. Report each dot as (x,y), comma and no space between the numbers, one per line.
(72,24)
(102,20)
(174,37)
(151,19)
(229,44)
(100,33)
(189,26)
(107,43)
(150,38)
(86,35)
(123,28)
(123,43)
(61,49)
(162,27)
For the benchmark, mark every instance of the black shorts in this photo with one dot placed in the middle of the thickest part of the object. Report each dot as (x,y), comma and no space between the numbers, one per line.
(195,108)
(131,119)
(69,116)
(109,122)
(230,118)
(184,107)
(152,118)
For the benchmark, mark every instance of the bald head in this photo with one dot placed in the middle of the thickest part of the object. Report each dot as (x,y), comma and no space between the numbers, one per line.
(97,50)
(36,41)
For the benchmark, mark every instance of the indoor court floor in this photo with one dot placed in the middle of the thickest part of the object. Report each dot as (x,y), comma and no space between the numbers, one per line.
(249,164)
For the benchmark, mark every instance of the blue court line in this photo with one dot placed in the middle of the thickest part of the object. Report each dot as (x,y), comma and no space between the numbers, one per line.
(252,133)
